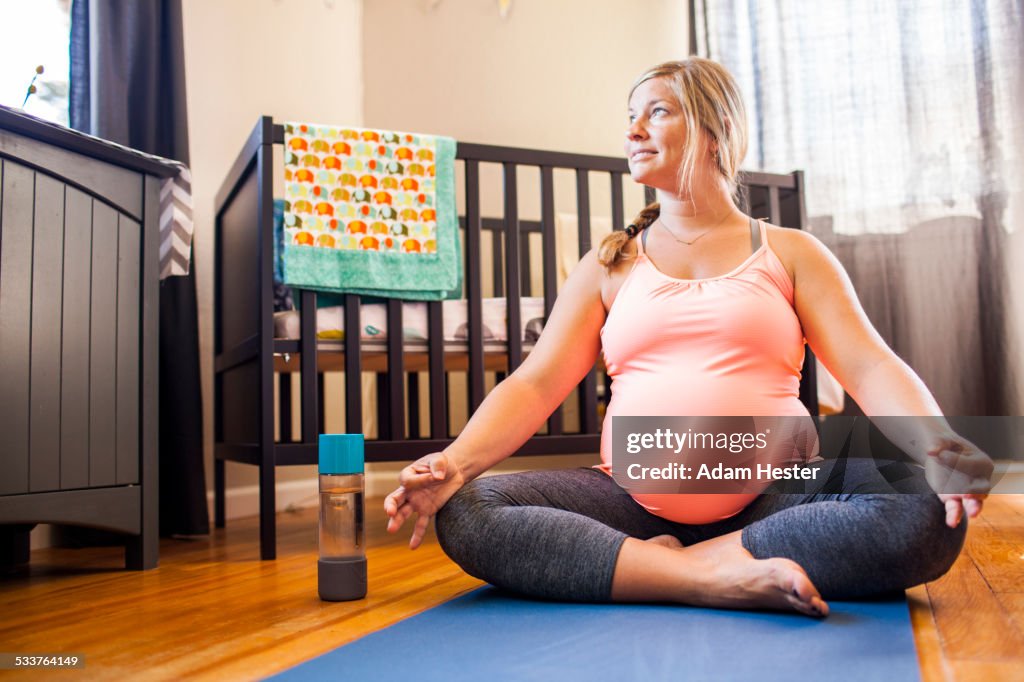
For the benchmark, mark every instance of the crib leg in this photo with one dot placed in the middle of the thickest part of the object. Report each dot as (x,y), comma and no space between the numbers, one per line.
(268,520)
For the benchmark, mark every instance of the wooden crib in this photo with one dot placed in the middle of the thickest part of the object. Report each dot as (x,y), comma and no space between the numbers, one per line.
(248,359)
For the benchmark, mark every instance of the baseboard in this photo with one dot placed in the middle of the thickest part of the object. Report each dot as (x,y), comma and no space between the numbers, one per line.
(244,501)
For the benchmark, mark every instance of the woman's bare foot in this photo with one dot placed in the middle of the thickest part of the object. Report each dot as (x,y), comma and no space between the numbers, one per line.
(732,578)
(669,541)
(718,573)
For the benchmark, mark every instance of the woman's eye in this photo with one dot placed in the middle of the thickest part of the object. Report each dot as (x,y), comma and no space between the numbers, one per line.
(657,109)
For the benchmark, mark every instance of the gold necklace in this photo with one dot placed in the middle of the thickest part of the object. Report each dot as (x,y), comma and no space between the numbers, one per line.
(691,243)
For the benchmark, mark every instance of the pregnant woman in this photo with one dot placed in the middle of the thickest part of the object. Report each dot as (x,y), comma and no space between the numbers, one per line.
(698,309)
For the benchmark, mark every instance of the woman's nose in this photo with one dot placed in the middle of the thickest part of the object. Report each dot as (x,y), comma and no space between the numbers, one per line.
(634,130)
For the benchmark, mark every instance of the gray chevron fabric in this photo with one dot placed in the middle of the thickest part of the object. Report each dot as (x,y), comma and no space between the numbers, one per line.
(176,223)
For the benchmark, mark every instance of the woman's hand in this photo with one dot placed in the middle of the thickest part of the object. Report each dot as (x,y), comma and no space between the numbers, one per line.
(960,474)
(424,487)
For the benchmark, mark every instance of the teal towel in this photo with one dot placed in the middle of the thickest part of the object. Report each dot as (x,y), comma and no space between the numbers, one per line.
(364,214)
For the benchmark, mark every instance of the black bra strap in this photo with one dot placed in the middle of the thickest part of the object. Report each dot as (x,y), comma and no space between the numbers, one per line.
(755,235)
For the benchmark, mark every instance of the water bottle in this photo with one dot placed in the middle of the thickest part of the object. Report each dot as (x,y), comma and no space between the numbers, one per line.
(341,568)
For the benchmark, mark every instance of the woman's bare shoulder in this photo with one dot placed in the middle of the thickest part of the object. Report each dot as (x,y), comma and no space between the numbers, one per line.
(616,275)
(798,249)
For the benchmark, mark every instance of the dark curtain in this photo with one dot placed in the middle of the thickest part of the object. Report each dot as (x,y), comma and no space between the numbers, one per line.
(902,116)
(128,86)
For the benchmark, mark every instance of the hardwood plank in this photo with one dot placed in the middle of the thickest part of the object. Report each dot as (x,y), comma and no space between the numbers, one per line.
(1004,511)
(969,618)
(988,671)
(926,636)
(1013,604)
(998,553)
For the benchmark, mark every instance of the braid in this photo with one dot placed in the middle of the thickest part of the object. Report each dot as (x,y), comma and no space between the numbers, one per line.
(612,247)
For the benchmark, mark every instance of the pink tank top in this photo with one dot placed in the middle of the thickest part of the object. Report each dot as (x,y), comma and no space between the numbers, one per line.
(721,346)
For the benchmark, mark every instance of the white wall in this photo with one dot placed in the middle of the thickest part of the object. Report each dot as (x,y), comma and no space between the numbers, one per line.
(290,59)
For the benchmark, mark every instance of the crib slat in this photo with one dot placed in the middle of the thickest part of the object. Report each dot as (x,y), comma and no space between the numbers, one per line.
(744,200)
(618,223)
(396,373)
(649,195)
(321,414)
(497,257)
(550,254)
(800,222)
(773,205)
(413,391)
(618,212)
(512,283)
(475,377)
(307,369)
(588,388)
(284,405)
(353,367)
(525,274)
(438,385)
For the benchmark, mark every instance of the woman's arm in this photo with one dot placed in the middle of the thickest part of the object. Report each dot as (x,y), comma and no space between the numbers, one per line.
(883,385)
(843,338)
(566,350)
(515,409)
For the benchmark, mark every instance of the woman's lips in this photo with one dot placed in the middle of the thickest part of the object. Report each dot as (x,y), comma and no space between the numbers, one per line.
(640,155)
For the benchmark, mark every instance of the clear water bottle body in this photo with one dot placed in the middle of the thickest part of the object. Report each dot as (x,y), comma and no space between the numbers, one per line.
(341,517)
(341,565)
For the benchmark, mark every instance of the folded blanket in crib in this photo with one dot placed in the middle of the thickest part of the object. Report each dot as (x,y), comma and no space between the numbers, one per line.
(370,212)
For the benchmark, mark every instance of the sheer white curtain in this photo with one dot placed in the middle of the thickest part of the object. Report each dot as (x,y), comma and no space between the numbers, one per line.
(907,120)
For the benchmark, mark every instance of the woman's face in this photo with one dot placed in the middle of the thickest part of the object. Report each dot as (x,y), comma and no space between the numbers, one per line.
(655,136)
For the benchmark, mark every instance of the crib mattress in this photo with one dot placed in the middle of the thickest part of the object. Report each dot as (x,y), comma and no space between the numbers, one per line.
(330,323)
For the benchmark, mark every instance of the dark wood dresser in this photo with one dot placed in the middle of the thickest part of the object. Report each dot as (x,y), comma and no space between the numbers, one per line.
(79,278)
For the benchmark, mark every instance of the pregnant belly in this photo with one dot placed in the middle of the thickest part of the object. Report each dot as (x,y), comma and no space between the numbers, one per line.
(716,398)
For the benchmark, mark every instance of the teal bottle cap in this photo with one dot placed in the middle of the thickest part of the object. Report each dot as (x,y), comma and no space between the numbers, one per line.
(341,453)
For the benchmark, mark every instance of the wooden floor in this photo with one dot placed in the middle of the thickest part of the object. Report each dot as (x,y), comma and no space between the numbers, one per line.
(212,610)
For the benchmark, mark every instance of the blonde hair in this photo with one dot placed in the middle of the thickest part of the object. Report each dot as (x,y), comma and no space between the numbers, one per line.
(711,102)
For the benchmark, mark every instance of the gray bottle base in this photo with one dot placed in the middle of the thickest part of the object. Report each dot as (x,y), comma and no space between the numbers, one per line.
(341,579)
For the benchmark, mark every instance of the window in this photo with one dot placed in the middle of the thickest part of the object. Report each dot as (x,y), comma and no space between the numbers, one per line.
(35,33)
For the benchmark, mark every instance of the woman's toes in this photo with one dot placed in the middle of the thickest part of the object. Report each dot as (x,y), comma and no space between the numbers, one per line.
(800,591)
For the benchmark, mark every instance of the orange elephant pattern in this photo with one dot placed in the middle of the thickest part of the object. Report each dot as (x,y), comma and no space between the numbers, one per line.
(385,176)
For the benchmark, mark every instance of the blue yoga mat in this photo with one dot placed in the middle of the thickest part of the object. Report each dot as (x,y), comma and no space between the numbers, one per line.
(490,634)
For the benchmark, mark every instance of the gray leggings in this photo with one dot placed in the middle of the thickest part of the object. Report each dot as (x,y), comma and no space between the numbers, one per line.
(557,534)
